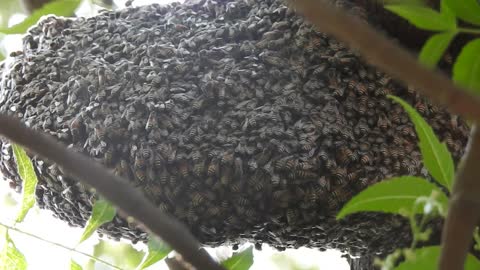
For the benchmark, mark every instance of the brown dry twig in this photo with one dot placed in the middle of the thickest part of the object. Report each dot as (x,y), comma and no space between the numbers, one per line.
(464,212)
(378,50)
(115,189)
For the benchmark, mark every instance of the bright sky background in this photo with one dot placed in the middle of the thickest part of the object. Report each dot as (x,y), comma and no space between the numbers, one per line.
(41,255)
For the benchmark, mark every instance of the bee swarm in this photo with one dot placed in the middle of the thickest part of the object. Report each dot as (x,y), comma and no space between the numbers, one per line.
(237,117)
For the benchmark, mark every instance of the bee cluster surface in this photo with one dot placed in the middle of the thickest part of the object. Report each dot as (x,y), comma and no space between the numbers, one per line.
(237,117)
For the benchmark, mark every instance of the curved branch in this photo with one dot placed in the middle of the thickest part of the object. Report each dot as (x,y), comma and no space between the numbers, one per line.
(115,189)
(464,212)
(388,56)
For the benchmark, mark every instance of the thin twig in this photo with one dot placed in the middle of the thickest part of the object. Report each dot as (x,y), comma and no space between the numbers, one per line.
(114,188)
(60,245)
(388,56)
(464,212)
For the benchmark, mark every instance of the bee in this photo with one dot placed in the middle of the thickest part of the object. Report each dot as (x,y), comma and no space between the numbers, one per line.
(158,161)
(139,162)
(359,87)
(151,121)
(213,167)
(232,221)
(396,166)
(238,168)
(346,155)
(192,216)
(362,109)
(236,186)
(163,207)
(226,175)
(140,175)
(382,122)
(407,131)
(292,216)
(257,181)
(304,174)
(183,169)
(100,132)
(384,80)
(395,117)
(199,168)
(340,174)
(108,156)
(365,159)
(291,164)
(213,211)
(172,156)
(197,199)
(408,167)
(164,177)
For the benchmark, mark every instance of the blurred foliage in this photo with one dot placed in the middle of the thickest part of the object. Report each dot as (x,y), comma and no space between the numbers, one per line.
(102,213)
(59,7)
(285,262)
(29,180)
(157,251)
(242,260)
(117,253)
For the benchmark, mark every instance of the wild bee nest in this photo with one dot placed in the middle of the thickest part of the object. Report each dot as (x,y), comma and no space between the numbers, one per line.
(236,117)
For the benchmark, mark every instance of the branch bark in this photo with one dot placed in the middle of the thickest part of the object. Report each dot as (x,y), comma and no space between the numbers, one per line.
(115,189)
(464,211)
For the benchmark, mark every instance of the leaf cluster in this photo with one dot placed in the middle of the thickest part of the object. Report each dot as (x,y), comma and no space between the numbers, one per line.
(445,23)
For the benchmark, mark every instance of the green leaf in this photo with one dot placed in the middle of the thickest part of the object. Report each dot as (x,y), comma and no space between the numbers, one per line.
(436,157)
(10,257)
(466,70)
(467,10)
(394,195)
(29,178)
(240,261)
(157,250)
(434,48)
(74,265)
(446,10)
(424,17)
(102,213)
(59,8)
(2,56)
(427,258)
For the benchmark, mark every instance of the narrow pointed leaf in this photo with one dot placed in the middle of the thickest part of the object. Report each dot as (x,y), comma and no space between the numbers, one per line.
(59,8)
(392,196)
(240,261)
(424,17)
(157,251)
(466,70)
(427,259)
(29,178)
(436,157)
(102,213)
(75,266)
(466,10)
(434,48)
(10,256)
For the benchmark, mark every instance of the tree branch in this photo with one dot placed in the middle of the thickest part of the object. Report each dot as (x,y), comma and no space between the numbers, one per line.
(464,212)
(115,189)
(388,56)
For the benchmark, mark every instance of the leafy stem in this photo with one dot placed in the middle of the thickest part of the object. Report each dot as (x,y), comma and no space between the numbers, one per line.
(468,30)
(59,245)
